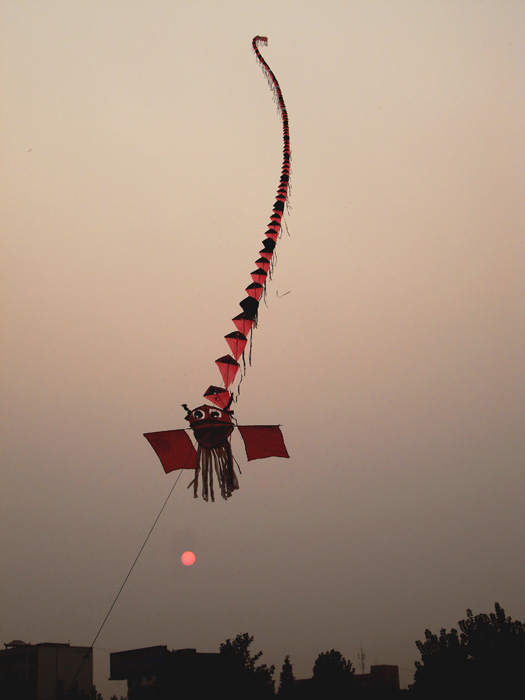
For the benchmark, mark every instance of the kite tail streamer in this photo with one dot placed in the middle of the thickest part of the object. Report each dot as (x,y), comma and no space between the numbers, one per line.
(219,460)
(247,320)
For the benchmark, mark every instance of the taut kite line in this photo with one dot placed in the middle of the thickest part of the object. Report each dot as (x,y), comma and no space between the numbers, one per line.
(212,426)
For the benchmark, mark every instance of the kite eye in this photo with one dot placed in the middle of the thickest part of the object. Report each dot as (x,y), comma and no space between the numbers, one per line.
(198,414)
(215,414)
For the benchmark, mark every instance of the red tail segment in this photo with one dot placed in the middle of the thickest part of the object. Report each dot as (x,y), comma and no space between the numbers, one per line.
(245,321)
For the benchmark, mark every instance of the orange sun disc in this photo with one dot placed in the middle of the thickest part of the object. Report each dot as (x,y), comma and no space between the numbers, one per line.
(188,558)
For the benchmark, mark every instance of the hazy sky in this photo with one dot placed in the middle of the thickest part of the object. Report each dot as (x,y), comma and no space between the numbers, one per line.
(140,154)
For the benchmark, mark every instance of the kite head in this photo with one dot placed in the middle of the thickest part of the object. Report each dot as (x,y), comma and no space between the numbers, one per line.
(211,426)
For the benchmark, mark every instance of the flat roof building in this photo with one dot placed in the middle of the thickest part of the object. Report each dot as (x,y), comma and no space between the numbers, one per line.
(44,671)
(156,672)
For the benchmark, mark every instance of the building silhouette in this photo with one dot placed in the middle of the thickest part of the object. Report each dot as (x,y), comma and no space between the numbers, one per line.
(382,680)
(155,673)
(45,671)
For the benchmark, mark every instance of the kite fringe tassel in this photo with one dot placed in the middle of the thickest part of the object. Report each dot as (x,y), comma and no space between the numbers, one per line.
(219,460)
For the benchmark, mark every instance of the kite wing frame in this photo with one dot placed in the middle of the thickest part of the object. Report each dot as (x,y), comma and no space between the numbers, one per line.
(262,441)
(174,448)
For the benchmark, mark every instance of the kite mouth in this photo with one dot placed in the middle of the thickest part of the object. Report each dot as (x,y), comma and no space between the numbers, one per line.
(211,433)
(209,423)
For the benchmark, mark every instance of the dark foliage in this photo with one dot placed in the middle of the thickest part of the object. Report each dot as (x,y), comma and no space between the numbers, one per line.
(333,675)
(286,679)
(256,681)
(486,658)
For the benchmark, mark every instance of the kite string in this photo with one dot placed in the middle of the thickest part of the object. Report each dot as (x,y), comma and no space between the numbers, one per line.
(136,560)
(126,579)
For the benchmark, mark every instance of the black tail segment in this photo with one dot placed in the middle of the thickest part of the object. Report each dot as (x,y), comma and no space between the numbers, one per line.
(247,320)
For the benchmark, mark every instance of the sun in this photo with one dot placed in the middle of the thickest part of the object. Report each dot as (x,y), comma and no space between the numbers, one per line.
(188,558)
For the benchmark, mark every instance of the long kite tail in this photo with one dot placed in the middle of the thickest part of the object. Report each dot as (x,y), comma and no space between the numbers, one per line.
(247,319)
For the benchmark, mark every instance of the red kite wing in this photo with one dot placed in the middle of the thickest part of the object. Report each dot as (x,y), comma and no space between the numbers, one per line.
(174,448)
(263,441)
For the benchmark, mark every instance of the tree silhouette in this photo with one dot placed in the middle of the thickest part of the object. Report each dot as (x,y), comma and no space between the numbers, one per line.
(286,679)
(256,681)
(333,675)
(486,659)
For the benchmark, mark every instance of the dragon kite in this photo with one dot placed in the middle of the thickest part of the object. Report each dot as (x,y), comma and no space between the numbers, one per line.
(212,425)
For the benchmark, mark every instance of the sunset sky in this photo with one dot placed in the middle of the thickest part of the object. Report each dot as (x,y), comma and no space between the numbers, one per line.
(140,155)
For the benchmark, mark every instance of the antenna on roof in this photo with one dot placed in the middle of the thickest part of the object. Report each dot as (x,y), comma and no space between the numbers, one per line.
(361,657)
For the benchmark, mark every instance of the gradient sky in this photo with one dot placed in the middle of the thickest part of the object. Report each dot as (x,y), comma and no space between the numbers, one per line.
(140,154)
